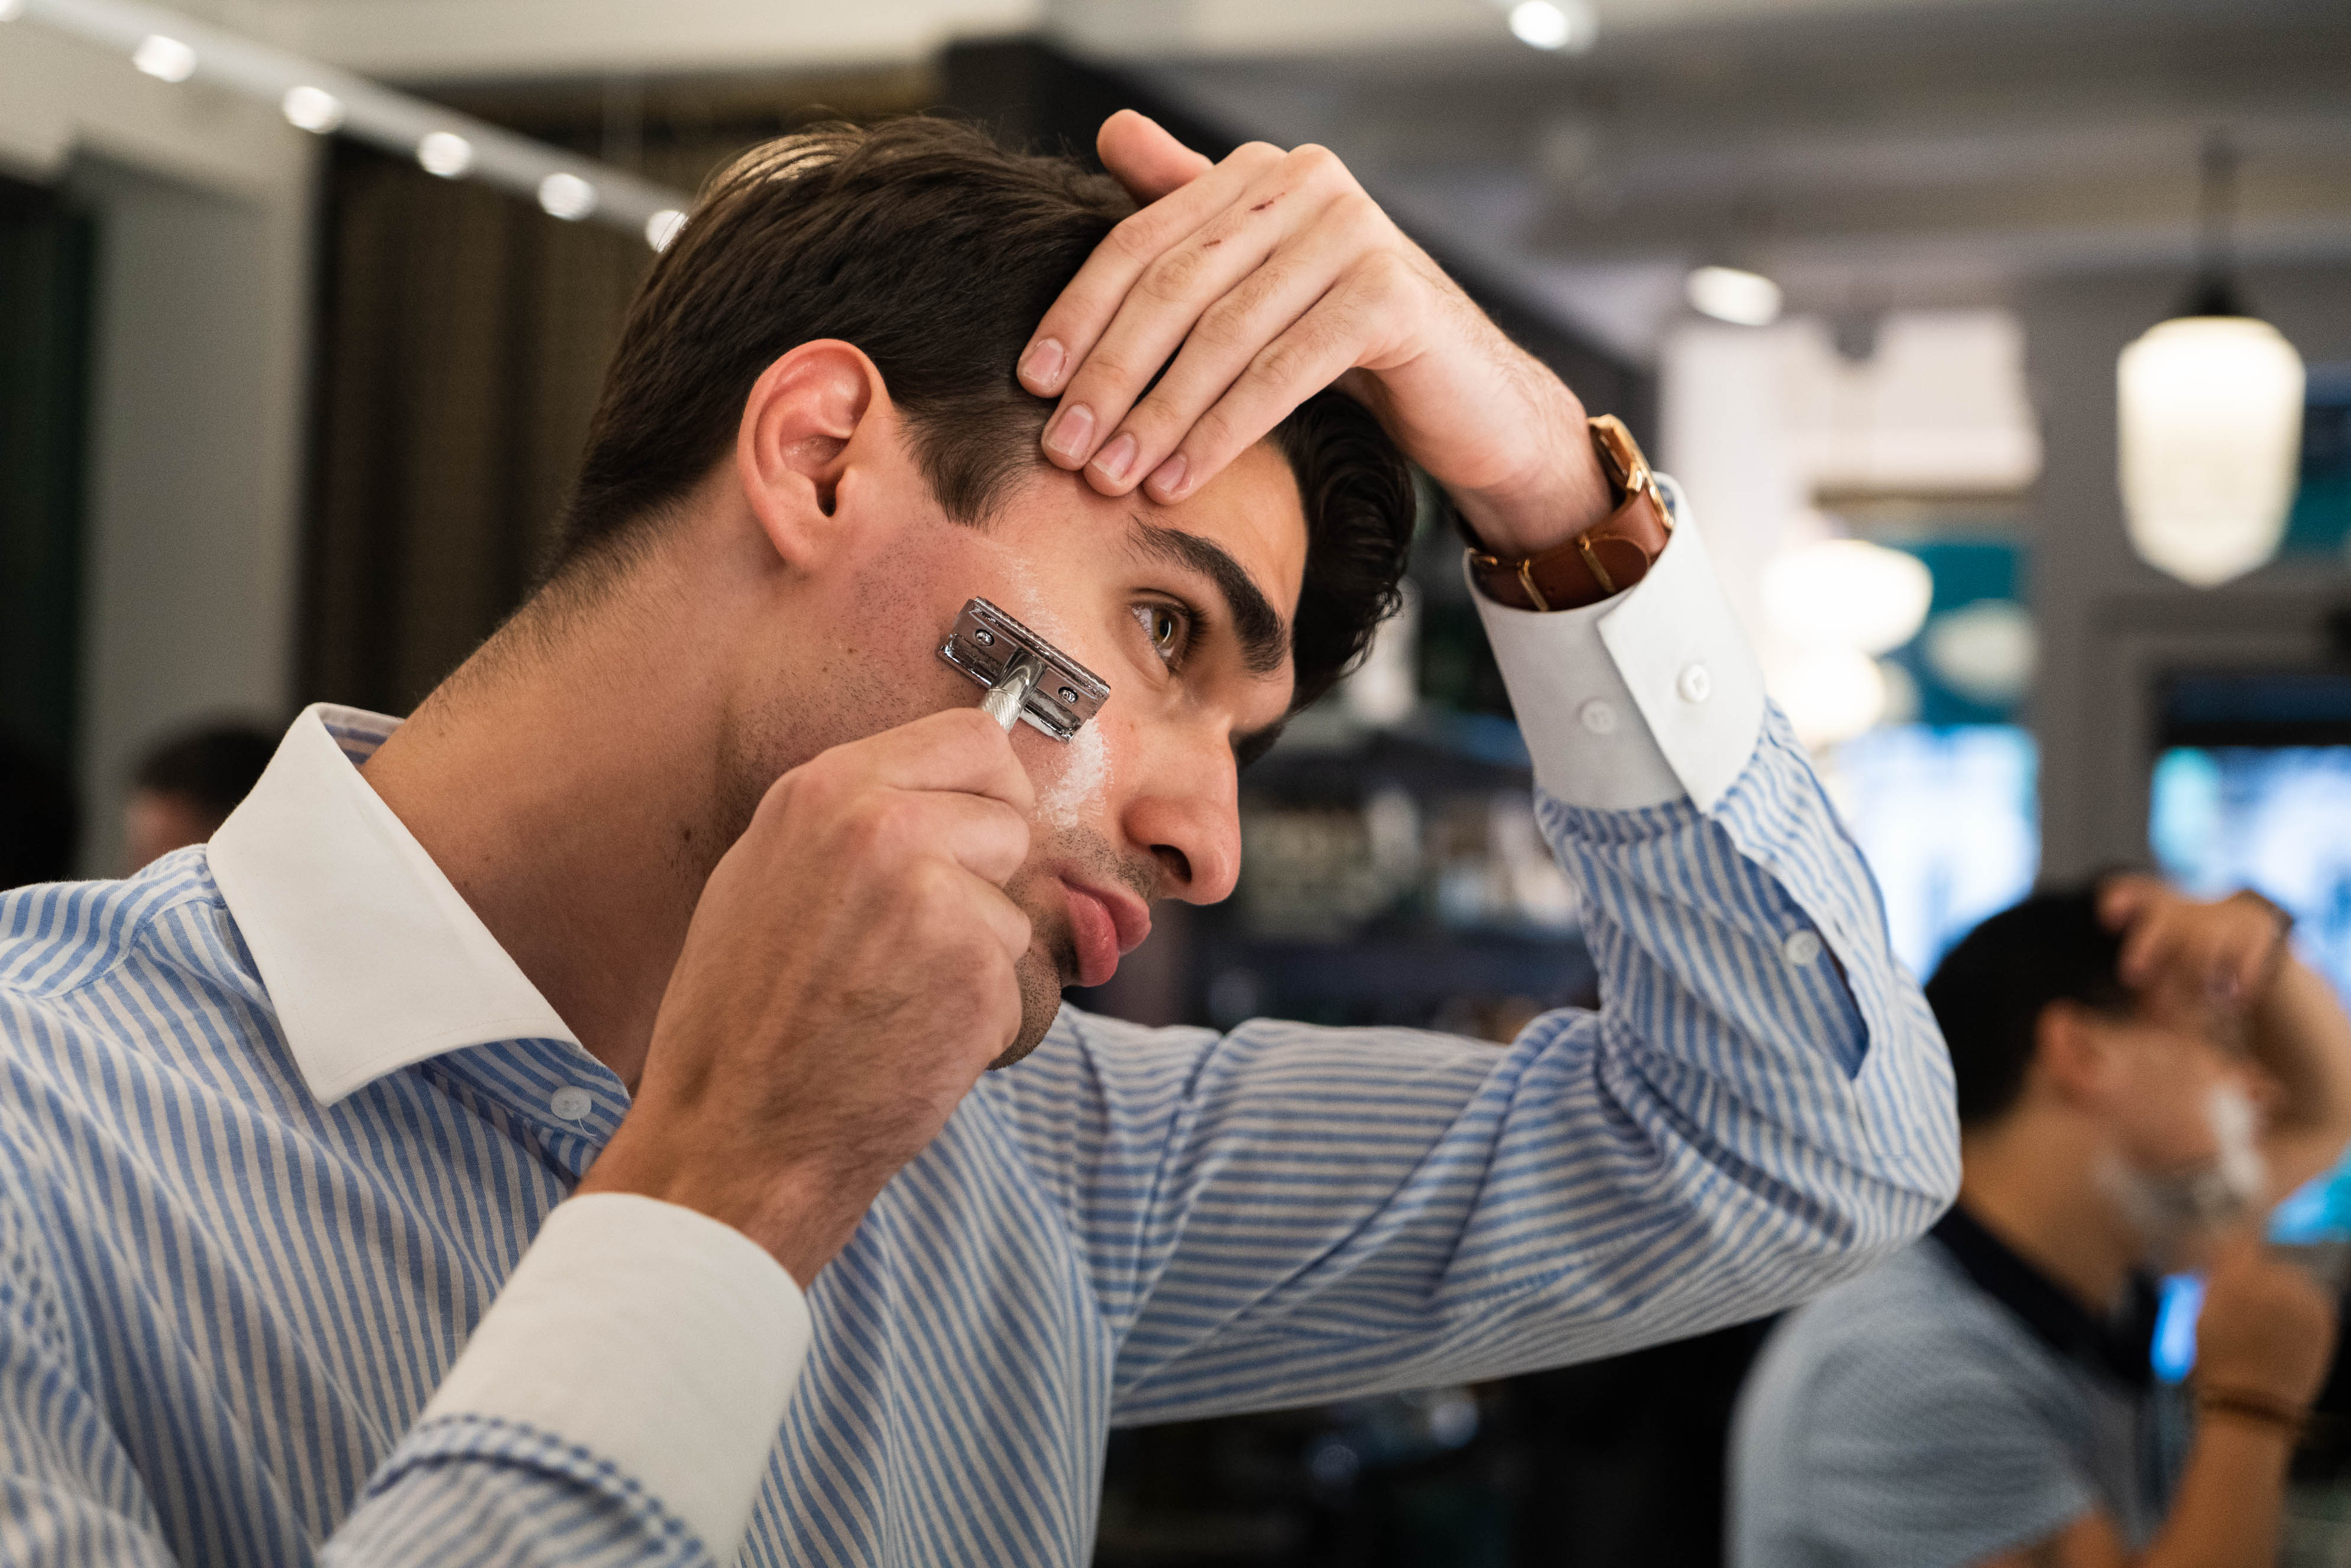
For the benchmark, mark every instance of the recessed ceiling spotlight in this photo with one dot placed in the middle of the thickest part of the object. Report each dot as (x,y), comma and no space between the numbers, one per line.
(165,59)
(312,108)
(567,197)
(446,153)
(1735,295)
(663,227)
(1567,26)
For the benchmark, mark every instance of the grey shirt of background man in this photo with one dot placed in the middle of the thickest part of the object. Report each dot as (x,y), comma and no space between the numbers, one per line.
(1949,1406)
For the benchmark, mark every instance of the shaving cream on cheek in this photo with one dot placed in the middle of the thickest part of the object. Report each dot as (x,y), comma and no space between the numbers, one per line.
(1083,783)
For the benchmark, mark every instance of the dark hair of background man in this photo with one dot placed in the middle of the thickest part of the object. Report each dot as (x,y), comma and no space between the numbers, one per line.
(935,251)
(211,766)
(1991,990)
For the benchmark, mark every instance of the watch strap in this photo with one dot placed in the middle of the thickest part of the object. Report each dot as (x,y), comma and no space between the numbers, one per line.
(1604,560)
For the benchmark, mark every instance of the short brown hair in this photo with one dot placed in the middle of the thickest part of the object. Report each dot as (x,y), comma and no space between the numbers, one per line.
(935,252)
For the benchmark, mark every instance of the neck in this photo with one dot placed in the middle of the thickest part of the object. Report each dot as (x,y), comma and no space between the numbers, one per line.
(567,785)
(2035,1186)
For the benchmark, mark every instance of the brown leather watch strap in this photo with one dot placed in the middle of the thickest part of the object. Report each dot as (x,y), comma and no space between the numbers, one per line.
(1605,558)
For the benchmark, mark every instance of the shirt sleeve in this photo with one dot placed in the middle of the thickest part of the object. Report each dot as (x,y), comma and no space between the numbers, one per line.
(1918,1457)
(1760,1106)
(617,1404)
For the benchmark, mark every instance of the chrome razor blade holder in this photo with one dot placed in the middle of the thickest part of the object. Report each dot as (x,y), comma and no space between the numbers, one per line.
(1023,673)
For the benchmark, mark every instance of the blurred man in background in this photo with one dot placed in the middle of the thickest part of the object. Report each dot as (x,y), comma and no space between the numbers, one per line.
(2140,1078)
(186,788)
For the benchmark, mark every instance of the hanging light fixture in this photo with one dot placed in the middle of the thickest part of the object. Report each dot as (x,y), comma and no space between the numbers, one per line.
(2209,407)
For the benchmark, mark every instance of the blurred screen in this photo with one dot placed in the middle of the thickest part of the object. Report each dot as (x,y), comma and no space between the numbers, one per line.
(2275,819)
(1947,818)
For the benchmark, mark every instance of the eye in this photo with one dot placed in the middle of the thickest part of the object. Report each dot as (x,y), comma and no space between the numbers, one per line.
(1168,627)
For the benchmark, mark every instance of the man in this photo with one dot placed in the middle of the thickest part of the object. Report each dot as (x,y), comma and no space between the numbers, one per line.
(2139,1078)
(185,788)
(586,1024)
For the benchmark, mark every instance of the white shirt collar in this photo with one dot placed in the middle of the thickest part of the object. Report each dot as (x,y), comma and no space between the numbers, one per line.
(372,960)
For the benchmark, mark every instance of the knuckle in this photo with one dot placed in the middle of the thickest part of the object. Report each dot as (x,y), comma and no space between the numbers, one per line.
(1172,277)
(1135,238)
(1257,154)
(1288,359)
(1316,161)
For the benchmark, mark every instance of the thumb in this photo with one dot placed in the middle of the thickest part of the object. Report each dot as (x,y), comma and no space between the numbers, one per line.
(1144,157)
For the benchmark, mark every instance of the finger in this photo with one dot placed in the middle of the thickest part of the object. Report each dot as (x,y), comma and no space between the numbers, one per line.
(1301,361)
(2151,939)
(986,837)
(1176,294)
(1006,923)
(1075,320)
(1142,155)
(959,749)
(1218,350)
(2124,898)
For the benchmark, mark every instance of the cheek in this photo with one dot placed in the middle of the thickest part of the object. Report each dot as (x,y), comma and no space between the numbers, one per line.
(1074,785)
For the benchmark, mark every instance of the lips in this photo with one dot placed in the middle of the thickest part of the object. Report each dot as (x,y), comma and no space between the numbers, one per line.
(1104,925)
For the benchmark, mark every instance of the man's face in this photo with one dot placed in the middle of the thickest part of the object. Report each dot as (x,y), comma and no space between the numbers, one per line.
(1183,610)
(2184,1115)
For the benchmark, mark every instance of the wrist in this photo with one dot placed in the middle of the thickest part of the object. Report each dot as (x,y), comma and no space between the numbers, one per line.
(796,1214)
(1529,516)
(2252,1411)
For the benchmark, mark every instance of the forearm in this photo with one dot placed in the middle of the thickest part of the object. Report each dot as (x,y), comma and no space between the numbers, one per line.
(2301,1038)
(2231,1500)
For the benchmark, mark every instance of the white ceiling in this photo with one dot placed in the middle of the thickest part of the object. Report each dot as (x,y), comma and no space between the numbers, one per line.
(1871,154)
(449,39)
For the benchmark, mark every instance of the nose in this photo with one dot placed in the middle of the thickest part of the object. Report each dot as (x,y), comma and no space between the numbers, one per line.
(1188,818)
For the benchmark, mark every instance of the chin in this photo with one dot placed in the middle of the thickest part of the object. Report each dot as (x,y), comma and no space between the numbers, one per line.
(1039,974)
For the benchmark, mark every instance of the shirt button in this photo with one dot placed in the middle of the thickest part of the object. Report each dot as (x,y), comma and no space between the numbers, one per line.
(1801,949)
(571,1103)
(1598,717)
(1694,685)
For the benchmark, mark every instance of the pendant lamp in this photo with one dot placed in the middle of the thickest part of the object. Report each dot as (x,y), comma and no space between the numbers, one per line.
(2210,404)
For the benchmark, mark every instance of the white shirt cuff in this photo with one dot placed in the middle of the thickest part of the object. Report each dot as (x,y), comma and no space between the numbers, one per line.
(1644,697)
(656,1337)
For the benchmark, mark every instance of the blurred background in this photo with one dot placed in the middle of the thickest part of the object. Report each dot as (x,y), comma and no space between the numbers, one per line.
(291,387)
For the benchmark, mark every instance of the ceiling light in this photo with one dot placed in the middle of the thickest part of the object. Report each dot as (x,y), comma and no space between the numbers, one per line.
(1735,295)
(11,9)
(165,59)
(2209,413)
(567,197)
(1848,593)
(1568,25)
(312,108)
(663,227)
(1985,651)
(446,153)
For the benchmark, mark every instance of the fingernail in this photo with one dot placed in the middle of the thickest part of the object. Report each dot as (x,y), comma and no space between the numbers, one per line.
(1040,367)
(1115,459)
(1167,481)
(1072,430)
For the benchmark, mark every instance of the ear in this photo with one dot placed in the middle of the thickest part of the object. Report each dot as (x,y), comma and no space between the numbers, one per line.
(2074,1054)
(793,444)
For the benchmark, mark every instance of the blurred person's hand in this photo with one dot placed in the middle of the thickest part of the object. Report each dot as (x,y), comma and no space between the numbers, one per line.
(2225,951)
(847,976)
(2267,1329)
(1269,276)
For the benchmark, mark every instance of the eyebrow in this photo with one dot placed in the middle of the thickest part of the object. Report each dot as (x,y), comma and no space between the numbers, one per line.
(1256,625)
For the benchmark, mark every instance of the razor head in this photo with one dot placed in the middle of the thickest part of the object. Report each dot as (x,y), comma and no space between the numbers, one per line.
(987,645)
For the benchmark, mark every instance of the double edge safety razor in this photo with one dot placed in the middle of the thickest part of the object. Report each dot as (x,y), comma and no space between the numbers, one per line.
(1026,677)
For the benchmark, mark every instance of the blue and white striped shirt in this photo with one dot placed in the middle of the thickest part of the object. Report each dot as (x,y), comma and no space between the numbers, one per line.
(233,1272)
